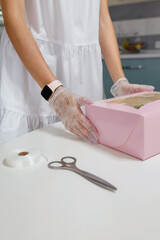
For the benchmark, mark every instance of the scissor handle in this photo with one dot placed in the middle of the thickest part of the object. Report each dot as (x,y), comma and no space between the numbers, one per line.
(52,165)
(63,164)
(71,164)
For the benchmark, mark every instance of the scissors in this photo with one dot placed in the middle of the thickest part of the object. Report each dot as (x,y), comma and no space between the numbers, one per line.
(71,165)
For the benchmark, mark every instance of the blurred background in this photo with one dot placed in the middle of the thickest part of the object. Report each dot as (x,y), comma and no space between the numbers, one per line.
(1,21)
(137,26)
(138,20)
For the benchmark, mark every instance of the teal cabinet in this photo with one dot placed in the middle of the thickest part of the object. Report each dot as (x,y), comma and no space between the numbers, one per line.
(141,71)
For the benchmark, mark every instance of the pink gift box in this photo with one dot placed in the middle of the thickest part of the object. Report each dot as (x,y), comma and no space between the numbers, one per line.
(127,129)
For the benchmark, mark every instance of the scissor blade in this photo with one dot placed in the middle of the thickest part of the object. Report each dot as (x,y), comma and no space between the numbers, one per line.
(105,185)
(96,180)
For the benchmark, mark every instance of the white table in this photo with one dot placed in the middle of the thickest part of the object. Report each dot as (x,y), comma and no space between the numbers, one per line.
(42,204)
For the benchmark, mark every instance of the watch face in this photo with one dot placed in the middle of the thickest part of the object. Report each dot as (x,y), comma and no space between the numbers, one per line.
(46,92)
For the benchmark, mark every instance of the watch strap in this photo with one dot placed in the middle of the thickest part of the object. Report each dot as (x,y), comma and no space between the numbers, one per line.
(54,85)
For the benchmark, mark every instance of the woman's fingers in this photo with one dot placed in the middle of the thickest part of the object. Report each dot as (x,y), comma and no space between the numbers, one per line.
(77,132)
(82,131)
(142,88)
(86,128)
(125,88)
(76,118)
(84,101)
(136,88)
(87,134)
(89,126)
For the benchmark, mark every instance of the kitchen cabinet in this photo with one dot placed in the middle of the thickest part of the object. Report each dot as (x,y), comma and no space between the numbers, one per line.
(141,71)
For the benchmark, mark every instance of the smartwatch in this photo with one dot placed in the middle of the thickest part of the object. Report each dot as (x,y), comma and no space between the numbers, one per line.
(49,89)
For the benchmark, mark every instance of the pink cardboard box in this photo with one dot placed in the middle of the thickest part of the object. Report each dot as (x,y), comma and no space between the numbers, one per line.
(130,124)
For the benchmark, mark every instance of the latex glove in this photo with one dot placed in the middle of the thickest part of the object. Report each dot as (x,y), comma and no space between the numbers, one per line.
(67,106)
(123,87)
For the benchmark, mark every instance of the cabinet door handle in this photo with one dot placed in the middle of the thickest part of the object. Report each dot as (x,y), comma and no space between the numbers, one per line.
(132,67)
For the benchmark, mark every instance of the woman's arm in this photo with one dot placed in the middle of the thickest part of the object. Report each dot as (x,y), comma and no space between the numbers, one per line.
(109,43)
(66,104)
(111,55)
(23,41)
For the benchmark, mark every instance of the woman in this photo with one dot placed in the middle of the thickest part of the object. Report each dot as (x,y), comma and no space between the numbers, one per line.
(44,41)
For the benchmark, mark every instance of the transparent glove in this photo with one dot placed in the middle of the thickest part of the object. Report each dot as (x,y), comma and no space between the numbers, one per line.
(67,106)
(123,87)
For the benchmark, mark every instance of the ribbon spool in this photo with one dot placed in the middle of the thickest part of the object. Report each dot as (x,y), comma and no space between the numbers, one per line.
(22,158)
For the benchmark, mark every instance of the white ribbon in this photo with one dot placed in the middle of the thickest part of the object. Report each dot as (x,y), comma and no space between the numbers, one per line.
(22,158)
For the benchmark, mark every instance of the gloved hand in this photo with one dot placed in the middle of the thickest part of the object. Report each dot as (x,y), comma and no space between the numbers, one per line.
(67,106)
(123,87)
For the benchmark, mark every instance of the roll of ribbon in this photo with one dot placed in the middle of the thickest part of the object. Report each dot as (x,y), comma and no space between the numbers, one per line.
(21,158)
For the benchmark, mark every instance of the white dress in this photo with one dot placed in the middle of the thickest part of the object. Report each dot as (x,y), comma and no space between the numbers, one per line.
(67,33)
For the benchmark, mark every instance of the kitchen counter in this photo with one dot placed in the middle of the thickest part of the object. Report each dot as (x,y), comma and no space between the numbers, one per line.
(38,203)
(142,54)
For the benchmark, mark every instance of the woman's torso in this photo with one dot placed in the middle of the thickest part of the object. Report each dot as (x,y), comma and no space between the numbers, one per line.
(67,33)
(66,22)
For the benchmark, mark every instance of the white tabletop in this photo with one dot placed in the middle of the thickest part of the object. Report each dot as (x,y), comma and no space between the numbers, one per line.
(38,203)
